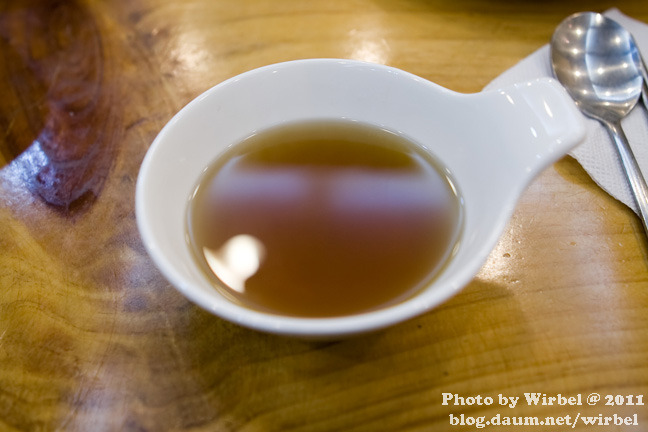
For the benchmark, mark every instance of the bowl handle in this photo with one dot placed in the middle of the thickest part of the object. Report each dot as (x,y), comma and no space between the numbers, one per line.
(522,129)
(539,123)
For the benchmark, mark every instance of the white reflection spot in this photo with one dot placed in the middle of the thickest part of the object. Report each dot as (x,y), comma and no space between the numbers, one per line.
(237,260)
(367,42)
(548,109)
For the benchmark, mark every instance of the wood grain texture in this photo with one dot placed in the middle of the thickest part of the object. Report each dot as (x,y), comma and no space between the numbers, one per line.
(93,338)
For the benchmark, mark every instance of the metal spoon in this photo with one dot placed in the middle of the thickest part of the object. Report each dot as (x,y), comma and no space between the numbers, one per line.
(598,63)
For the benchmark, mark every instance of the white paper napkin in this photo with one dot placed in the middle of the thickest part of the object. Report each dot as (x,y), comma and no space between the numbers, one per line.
(597,153)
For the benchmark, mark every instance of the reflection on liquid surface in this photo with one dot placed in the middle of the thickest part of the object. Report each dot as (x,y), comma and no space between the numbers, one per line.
(236,261)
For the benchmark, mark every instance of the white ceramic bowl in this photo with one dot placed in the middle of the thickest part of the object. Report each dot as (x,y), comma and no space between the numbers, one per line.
(493,143)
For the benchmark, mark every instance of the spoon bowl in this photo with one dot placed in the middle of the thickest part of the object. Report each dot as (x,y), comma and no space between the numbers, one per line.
(598,62)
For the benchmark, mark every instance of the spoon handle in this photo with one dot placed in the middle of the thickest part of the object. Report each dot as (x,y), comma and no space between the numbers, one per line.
(633,173)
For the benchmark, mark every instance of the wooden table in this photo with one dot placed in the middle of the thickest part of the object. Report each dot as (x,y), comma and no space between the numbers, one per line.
(92,337)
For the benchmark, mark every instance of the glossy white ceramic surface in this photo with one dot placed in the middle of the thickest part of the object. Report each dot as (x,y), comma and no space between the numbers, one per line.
(493,144)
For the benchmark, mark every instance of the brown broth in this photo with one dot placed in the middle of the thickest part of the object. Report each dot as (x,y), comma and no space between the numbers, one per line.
(321,219)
